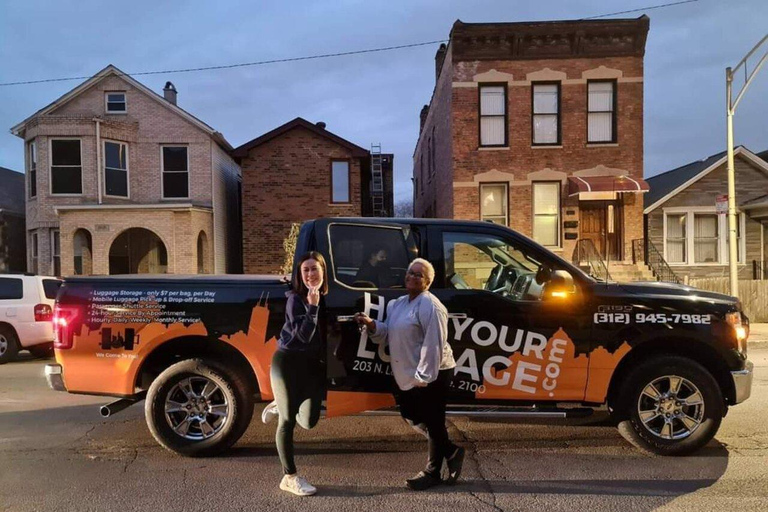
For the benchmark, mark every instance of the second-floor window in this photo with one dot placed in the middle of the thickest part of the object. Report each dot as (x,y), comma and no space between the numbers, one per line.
(493,115)
(432,165)
(32,155)
(340,181)
(66,167)
(116,169)
(116,103)
(493,203)
(546,114)
(175,172)
(601,111)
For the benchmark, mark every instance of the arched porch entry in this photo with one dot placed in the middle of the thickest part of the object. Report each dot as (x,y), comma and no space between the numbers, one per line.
(138,251)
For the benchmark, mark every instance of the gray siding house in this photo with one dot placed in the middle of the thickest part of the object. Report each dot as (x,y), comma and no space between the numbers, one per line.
(682,223)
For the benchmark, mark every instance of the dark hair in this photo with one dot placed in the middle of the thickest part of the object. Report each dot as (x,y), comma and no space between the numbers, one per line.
(298,283)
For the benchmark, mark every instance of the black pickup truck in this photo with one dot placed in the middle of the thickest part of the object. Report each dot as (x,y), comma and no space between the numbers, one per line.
(532,334)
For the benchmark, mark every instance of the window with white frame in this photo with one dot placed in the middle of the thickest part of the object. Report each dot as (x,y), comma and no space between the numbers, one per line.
(34,253)
(493,203)
(676,238)
(601,111)
(546,213)
(493,114)
(32,155)
(546,114)
(699,236)
(116,103)
(175,172)
(340,181)
(116,169)
(55,252)
(66,167)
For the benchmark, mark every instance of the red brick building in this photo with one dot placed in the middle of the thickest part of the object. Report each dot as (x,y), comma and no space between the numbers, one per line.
(301,171)
(538,126)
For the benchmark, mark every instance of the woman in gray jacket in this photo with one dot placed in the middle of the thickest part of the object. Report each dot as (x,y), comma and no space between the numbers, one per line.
(416,329)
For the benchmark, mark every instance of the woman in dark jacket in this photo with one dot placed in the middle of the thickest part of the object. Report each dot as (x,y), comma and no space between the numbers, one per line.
(298,374)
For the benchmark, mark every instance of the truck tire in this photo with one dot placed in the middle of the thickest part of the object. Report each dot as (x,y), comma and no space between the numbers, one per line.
(670,405)
(198,408)
(9,344)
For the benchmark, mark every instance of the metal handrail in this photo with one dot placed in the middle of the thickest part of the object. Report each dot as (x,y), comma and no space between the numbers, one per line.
(585,252)
(644,250)
(759,270)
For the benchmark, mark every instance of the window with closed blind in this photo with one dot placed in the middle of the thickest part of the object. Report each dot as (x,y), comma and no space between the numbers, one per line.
(601,111)
(546,213)
(546,114)
(676,238)
(493,115)
(493,203)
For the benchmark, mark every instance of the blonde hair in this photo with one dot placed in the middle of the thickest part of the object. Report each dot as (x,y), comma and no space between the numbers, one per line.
(428,268)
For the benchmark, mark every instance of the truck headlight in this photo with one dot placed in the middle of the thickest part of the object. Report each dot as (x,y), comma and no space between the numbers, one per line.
(741,330)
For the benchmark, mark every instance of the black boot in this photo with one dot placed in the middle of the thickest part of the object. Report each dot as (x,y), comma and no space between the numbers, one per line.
(454,463)
(422,481)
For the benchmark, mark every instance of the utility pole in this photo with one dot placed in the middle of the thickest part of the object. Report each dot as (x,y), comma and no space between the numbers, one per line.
(731,105)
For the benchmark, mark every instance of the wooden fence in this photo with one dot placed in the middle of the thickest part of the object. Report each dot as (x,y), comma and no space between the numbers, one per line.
(753,294)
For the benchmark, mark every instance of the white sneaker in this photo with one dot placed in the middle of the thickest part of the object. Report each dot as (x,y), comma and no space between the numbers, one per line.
(297,485)
(269,412)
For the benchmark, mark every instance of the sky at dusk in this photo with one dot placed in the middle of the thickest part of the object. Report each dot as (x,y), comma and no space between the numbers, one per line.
(368,98)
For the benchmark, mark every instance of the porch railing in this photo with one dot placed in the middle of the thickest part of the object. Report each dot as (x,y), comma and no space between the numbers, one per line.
(643,250)
(586,256)
(759,270)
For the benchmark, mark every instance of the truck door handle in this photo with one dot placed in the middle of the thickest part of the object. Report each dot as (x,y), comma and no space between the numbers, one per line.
(457,316)
(345,318)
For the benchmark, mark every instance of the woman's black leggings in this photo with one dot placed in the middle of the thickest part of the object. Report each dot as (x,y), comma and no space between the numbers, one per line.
(298,383)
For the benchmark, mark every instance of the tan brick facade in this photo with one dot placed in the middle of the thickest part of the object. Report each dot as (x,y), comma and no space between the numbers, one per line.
(474,57)
(287,179)
(148,124)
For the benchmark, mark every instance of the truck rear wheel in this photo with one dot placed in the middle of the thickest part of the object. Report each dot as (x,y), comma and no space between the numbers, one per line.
(198,408)
(9,344)
(670,405)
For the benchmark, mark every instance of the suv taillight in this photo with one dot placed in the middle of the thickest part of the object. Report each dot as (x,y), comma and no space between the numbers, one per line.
(63,328)
(43,313)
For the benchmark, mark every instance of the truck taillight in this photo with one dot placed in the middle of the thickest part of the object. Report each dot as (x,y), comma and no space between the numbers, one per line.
(43,313)
(63,319)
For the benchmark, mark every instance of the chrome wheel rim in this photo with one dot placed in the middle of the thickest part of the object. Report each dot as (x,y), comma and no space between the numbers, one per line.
(671,407)
(196,408)
(3,345)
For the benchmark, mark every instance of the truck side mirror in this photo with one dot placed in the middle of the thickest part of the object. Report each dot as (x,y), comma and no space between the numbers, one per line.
(560,286)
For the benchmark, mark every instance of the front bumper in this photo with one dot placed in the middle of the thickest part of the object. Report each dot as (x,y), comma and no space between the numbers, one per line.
(54,376)
(742,382)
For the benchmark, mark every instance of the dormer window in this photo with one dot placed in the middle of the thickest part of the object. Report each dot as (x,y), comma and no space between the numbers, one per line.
(116,103)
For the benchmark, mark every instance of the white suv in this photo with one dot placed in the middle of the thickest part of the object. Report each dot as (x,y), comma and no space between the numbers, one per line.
(26,314)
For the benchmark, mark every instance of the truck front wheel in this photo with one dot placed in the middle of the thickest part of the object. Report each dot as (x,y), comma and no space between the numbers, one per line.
(670,405)
(198,408)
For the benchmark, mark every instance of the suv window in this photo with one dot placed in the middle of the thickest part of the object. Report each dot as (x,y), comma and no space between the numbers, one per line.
(486,262)
(369,256)
(51,287)
(11,288)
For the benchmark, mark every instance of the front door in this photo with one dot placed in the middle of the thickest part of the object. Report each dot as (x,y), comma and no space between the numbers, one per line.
(600,221)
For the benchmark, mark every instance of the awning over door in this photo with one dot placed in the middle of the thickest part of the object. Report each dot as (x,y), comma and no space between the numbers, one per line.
(581,184)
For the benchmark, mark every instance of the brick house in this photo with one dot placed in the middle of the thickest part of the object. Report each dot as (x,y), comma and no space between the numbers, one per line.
(122,180)
(682,223)
(538,126)
(13,256)
(301,171)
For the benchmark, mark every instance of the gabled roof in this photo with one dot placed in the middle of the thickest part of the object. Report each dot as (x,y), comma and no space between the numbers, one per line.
(299,122)
(667,184)
(763,155)
(113,71)
(12,192)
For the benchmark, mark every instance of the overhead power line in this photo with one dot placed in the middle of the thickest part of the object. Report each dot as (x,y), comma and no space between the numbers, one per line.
(640,9)
(314,57)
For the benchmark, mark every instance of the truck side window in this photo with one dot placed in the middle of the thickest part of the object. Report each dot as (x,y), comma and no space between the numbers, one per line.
(369,256)
(485,262)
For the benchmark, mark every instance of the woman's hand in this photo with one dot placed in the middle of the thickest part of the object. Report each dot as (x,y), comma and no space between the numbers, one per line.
(363,319)
(313,296)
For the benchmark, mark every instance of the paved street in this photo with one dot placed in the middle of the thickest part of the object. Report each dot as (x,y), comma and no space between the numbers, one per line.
(56,453)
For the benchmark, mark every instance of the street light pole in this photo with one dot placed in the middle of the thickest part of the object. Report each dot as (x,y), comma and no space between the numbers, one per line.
(730,109)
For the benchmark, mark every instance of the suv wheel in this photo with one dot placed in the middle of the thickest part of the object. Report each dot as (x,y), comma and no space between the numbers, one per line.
(198,408)
(671,405)
(9,344)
